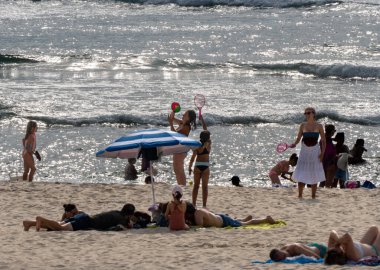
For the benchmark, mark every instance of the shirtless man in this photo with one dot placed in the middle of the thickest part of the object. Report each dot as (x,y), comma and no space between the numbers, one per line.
(205,218)
(343,248)
(313,250)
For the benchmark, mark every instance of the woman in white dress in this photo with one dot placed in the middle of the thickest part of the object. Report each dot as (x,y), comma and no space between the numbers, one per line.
(309,168)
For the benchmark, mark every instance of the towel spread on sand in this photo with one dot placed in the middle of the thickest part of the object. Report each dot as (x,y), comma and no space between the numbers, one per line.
(301,259)
(262,226)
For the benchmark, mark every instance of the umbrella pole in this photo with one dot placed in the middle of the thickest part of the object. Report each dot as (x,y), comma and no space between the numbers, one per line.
(152,182)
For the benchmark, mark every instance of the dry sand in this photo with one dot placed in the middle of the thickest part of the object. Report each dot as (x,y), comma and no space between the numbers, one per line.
(213,248)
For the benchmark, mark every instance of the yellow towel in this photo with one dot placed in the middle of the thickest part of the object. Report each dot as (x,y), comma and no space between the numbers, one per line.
(261,226)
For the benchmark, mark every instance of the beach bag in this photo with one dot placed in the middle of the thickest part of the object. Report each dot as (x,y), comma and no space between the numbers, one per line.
(368,184)
(352,184)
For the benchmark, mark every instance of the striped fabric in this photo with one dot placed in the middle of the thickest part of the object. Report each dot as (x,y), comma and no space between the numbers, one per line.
(167,143)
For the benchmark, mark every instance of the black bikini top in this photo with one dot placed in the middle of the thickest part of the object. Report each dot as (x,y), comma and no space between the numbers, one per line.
(310,138)
(204,152)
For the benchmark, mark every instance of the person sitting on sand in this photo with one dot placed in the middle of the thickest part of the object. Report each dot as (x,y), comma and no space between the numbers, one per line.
(175,211)
(344,248)
(357,152)
(205,218)
(83,221)
(315,250)
(282,168)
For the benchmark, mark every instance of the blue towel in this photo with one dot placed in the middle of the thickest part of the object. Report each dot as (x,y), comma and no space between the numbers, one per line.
(301,259)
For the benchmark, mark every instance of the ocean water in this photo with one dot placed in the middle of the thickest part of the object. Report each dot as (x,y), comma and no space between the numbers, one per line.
(90,71)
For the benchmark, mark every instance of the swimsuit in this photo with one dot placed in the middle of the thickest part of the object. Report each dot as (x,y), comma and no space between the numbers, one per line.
(310,138)
(375,250)
(202,165)
(322,248)
(229,222)
(359,248)
(80,221)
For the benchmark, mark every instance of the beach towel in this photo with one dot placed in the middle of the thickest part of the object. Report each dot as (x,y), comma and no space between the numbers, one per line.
(301,259)
(262,226)
(367,261)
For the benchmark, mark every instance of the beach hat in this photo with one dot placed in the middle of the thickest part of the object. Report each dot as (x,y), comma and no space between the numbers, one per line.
(177,189)
(339,136)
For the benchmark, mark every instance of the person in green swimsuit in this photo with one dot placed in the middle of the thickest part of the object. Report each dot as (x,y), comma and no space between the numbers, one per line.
(315,250)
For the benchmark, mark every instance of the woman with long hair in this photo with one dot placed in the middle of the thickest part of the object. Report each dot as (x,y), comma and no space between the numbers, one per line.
(185,125)
(29,144)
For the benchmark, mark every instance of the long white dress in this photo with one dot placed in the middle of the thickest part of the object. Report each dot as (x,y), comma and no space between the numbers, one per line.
(309,169)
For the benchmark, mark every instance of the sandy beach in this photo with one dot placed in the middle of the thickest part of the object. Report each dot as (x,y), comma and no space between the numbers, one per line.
(213,248)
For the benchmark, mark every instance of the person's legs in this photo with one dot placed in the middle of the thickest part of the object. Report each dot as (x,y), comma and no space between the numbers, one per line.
(52,225)
(301,186)
(370,235)
(247,218)
(28,164)
(197,181)
(27,224)
(330,173)
(178,163)
(314,190)
(268,219)
(274,179)
(205,177)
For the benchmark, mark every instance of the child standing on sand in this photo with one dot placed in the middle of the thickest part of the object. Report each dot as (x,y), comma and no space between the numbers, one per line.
(282,168)
(175,211)
(201,167)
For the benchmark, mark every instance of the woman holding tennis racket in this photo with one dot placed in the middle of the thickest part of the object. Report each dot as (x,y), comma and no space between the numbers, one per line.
(309,168)
(185,125)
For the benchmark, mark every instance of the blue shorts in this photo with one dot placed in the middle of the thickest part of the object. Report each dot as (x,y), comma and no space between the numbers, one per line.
(229,222)
(340,174)
(80,222)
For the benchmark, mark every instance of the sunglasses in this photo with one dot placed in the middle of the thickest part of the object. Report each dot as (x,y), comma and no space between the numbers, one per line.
(307,113)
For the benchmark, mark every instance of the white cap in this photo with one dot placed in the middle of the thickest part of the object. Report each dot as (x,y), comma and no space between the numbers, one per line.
(176,189)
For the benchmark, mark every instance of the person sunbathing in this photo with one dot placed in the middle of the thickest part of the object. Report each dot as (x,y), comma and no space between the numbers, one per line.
(315,250)
(205,218)
(344,248)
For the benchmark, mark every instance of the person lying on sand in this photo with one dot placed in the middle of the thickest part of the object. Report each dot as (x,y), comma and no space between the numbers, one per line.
(82,221)
(315,250)
(70,210)
(205,218)
(344,248)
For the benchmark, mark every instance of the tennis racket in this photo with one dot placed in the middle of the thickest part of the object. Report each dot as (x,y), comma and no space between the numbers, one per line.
(281,147)
(199,101)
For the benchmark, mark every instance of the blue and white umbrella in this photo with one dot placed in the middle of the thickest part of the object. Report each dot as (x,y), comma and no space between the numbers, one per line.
(165,141)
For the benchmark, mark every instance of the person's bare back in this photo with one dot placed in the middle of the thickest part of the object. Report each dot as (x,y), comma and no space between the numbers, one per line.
(206,218)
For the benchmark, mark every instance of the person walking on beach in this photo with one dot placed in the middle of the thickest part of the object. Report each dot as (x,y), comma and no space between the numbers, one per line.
(329,158)
(282,168)
(29,148)
(185,125)
(201,167)
(175,211)
(309,168)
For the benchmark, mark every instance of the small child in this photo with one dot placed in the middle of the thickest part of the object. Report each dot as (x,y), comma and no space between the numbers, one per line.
(236,181)
(130,170)
(357,152)
(175,211)
(282,168)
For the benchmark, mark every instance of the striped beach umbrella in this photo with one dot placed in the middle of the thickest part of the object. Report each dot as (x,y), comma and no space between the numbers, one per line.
(165,141)
(157,141)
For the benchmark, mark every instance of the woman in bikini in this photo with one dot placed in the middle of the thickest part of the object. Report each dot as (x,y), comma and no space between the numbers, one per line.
(309,168)
(201,167)
(175,211)
(185,124)
(344,248)
(29,148)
